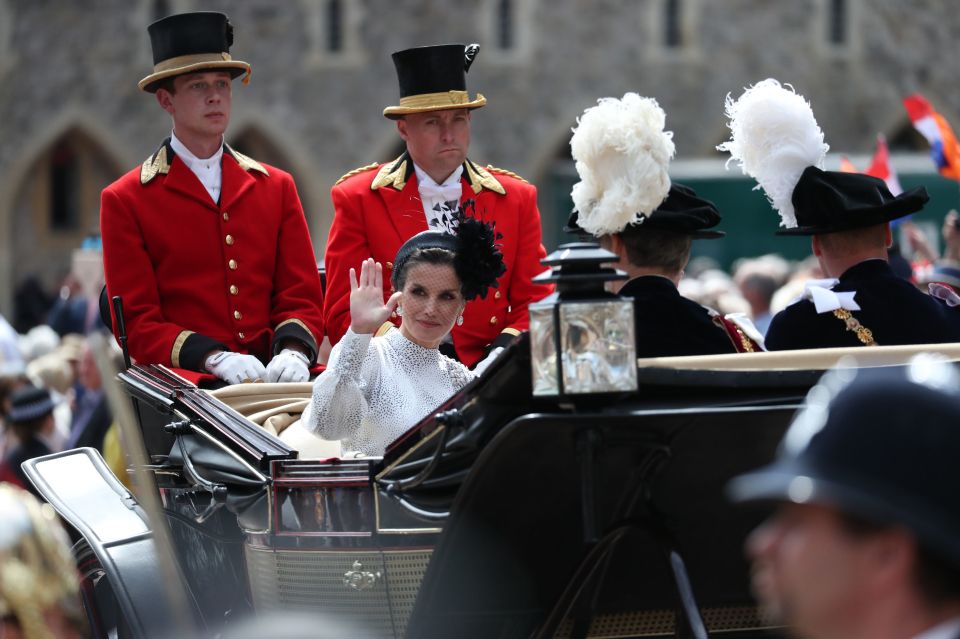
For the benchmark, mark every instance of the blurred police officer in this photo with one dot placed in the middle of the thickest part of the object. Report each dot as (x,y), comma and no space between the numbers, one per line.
(866,540)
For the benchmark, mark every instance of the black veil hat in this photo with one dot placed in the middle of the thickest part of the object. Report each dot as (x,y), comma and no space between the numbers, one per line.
(477,261)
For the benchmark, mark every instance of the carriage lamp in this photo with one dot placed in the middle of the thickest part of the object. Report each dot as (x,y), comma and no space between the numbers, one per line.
(581,336)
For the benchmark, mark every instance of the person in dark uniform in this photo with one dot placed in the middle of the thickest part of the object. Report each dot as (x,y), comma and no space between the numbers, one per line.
(865,539)
(208,248)
(30,421)
(651,228)
(847,215)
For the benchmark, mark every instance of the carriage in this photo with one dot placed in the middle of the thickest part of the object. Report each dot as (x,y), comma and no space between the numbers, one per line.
(510,511)
(503,514)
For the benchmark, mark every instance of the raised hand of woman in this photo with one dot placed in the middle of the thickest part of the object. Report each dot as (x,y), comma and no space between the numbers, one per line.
(367,309)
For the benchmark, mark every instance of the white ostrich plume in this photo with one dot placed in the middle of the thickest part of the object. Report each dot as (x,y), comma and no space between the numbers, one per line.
(622,155)
(774,137)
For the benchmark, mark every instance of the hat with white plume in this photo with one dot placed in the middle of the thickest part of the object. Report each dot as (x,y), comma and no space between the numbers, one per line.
(775,138)
(622,155)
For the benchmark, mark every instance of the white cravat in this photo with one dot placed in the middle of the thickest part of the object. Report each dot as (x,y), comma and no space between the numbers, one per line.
(207,170)
(827,300)
(436,198)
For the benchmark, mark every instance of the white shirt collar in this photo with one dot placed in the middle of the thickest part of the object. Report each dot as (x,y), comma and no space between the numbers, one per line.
(207,170)
(192,160)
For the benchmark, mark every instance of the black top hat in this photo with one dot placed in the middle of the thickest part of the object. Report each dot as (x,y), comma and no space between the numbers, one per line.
(831,201)
(886,451)
(191,42)
(29,403)
(681,212)
(434,78)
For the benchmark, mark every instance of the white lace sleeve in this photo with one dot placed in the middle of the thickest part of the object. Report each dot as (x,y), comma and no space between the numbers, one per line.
(341,393)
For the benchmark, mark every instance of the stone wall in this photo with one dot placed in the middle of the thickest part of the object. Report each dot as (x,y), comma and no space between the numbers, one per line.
(74,67)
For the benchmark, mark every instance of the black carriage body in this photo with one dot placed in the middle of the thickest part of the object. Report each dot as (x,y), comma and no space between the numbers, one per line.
(500,515)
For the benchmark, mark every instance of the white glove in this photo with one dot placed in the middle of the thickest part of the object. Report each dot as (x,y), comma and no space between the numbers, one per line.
(288,366)
(486,361)
(236,368)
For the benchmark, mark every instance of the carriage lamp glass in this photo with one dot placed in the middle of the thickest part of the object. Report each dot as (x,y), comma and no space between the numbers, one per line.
(581,337)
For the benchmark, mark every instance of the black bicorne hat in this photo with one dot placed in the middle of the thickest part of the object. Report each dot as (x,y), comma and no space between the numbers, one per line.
(30,403)
(882,447)
(192,42)
(681,212)
(832,201)
(478,260)
(434,78)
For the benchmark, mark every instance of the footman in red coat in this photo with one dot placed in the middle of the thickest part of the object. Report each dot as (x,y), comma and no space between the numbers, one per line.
(209,249)
(379,207)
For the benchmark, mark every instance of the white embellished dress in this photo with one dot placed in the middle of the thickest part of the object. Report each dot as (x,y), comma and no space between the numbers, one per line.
(375,388)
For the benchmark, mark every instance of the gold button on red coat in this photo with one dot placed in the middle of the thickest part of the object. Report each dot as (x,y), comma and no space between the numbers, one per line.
(234,290)
(389,264)
(237,315)
(493,320)
(232,264)
(241,335)
(228,240)
(497,295)
(226,216)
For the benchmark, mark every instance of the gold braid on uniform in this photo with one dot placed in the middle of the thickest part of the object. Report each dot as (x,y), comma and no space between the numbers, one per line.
(864,334)
(497,169)
(357,171)
(37,573)
(745,341)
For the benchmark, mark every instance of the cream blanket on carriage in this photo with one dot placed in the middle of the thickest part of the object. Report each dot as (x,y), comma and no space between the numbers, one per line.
(277,408)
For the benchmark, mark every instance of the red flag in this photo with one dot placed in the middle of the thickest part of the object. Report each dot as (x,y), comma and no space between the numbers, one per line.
(880,167)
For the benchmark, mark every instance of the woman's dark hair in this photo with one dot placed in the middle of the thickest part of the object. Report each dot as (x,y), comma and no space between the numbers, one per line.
(476,258)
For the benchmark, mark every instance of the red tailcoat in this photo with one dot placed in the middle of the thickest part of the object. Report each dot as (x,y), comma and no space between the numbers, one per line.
(378,208)
(195,275)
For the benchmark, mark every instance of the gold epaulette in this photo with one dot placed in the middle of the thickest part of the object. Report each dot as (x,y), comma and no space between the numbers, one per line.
(495,169)
(480,178)
(246,162)
(154,165)
(392,174)
(350,174)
